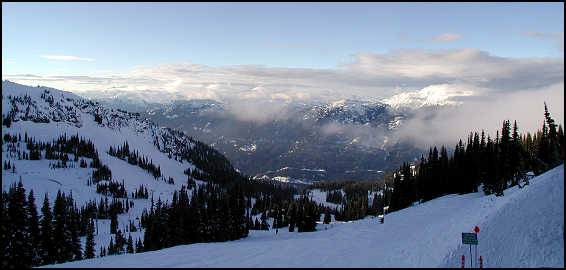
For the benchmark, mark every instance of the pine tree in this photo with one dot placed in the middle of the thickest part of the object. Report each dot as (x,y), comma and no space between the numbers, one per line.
(264,225)
(4,231)
(120,242)
(327,217)
(19,253)
(75,245)
(33,222)
(46,238)
(90,245)
(61,232)
(113,223)
(111,247)
(139,246)
(291,213)
(552,141)
(257,225)
(130,248)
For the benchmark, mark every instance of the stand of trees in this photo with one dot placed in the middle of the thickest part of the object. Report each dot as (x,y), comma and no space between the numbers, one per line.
(141,192)
(213,214)
(334,197)
(496,163)
(113,188)
(59,149)
(134,158)
(29,239)
(303,213)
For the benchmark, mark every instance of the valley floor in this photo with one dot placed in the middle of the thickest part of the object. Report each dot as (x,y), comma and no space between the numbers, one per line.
(525,228)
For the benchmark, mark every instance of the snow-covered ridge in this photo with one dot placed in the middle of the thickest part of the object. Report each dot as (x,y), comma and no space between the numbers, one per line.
(350,111)
(45,105)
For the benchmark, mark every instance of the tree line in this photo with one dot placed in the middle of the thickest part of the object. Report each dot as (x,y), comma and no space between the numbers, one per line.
(496,163)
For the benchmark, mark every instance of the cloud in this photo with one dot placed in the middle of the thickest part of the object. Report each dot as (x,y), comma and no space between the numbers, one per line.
(557,37)
(259,111)
(66,58)
(421,68)
(368,75)
(445,125)
(478,81)
(544,35)
(446,37)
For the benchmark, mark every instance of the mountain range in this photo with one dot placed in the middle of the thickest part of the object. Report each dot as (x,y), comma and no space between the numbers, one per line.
(301,142)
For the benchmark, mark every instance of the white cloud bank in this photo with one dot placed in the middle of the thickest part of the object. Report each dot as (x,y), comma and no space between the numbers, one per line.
(489,88)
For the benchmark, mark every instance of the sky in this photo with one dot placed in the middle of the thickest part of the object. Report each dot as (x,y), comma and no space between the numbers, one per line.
(118,36)
(477,53)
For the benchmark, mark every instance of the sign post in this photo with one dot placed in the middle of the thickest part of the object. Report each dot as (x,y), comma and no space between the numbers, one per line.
(470,239)
(382,217)
(476,230)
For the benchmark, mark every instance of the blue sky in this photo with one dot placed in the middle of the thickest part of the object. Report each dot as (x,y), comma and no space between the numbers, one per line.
(117,37)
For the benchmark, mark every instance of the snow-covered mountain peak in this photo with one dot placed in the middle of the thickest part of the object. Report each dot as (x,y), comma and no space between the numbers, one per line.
(434,95)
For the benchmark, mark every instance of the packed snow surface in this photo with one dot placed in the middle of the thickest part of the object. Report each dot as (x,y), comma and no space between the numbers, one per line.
(525,228)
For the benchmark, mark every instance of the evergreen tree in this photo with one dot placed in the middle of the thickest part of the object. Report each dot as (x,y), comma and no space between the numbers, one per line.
(264,225)
(130,248)
(61,232)
(257,225)
(19,249)
(120,243)
(113,223)
(111,247)
(552,141)
(327,217)
(76,249)
(291,214)
(89,248)
(4,231)
(139,246)
(33,222)
(46,238)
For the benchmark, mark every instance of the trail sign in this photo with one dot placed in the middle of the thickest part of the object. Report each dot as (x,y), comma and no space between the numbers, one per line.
(469,238)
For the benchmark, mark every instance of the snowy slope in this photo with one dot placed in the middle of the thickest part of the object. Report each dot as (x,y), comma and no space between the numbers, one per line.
(45,114)
(425,235)
(528,225)
(116,128)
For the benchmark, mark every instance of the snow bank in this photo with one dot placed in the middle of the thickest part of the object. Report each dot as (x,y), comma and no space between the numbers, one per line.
(526,230)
